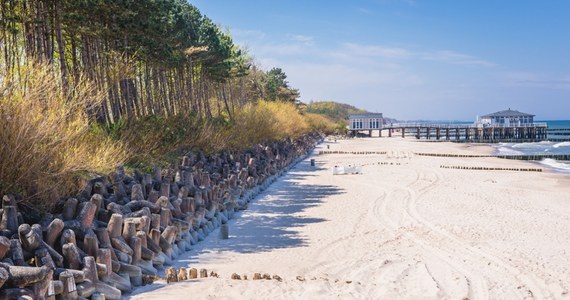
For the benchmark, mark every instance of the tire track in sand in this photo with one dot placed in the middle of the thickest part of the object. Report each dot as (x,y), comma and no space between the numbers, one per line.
(535,288)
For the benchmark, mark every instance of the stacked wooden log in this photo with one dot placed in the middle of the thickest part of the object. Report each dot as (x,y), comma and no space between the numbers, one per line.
(121,227)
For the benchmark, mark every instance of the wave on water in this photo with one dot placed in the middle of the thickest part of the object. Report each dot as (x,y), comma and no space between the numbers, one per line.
(537,145)
(563,144)
(557,165)
(505,149)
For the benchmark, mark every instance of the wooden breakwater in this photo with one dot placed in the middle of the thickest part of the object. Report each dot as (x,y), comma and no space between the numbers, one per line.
(515,157)
(123,228)
(323,152)
(536,157)
(452,155)
(491,168)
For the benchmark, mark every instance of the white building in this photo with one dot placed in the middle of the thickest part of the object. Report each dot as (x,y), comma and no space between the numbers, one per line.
(508,118)
(369,121)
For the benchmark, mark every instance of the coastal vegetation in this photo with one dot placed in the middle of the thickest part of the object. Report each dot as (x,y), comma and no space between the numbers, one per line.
(87,85)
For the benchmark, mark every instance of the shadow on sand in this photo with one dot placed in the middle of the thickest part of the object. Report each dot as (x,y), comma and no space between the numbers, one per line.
(270,222)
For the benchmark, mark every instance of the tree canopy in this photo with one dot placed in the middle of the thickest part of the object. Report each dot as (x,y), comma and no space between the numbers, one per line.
(147,57)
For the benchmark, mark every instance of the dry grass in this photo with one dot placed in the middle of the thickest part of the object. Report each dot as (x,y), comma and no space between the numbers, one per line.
(47,148)
(153,139)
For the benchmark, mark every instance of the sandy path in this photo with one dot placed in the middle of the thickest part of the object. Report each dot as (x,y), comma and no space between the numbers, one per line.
(406,230)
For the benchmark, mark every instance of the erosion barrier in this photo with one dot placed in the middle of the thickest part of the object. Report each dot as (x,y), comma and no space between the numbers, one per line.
(323,152)
(453,155)
(491,168)
(123,228)
(515,157)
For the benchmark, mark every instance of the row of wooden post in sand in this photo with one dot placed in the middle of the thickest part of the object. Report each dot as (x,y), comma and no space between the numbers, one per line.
(122,228)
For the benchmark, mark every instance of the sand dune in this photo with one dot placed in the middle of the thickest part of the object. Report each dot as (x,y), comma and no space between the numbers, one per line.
(403,229)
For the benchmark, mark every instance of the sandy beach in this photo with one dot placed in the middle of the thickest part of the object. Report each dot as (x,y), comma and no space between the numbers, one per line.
(403,229)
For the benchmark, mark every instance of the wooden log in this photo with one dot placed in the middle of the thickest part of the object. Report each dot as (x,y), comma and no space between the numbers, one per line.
(171,275)
(203,273)
(182,274)
(193,273)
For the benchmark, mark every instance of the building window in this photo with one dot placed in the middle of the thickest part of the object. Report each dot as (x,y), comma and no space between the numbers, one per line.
(357,124)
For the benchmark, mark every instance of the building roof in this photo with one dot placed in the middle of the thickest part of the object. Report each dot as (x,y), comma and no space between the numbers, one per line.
(365,116)
(507,113)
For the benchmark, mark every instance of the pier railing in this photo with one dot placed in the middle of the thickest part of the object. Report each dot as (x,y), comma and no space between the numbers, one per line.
(461,126)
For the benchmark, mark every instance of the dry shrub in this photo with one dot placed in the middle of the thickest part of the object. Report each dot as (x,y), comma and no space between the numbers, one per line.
(320,123)
(47,148)
(288,121)
(253,123)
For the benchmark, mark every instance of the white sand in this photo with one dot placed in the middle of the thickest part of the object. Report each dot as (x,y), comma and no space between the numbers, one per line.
(408,231)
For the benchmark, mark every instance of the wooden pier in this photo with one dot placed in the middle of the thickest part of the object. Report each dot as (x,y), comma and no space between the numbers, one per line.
(487,133)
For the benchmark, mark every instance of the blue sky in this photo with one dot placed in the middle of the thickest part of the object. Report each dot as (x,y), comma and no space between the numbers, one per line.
(412,59)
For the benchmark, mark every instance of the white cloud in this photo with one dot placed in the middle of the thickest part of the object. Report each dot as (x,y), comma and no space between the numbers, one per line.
(446,56)
(303,39)
(453,57)
(365,11)
(377,50)
(528,79)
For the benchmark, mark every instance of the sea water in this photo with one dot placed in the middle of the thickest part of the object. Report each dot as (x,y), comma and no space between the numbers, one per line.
(547,147)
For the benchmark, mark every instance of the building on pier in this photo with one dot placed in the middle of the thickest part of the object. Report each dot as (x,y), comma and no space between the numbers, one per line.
(507,118)
(365,122)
